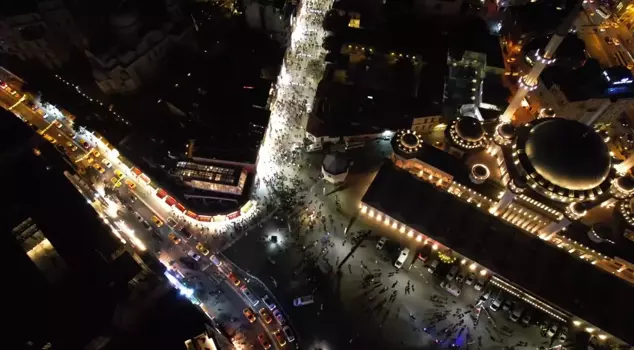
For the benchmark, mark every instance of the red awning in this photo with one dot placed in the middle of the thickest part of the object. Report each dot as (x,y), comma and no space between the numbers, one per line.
(170,201)
(136,171)
(180,207)
(144,178)
(233,215)
(204,218)
(191,214)
(161,193)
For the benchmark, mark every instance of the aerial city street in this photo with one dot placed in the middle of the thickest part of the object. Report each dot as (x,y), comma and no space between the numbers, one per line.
(322,174)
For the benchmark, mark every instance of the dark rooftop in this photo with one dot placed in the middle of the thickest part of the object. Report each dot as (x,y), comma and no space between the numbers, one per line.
(547,272)
(473,35)
(588,82)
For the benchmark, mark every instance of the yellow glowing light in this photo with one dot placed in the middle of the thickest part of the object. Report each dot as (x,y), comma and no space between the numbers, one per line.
(371,213)
(483,272)
(589,329)
(603,336)
(378,217)
(410,234)
(463,261)
(472,267)
(419,238)
(577,323)
(402,230)
(394,225)
(435,246)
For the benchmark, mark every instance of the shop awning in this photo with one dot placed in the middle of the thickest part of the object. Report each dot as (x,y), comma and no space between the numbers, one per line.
(204,218)
(233,215)
(136,171)
(191,214)
(170,201)
(180,207)
(161,193)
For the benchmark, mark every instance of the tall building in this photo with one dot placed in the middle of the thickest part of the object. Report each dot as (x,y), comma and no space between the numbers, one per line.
(44,32)
(69,273)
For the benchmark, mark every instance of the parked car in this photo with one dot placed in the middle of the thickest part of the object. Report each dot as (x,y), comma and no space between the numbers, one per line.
(288,333)
(495,305)
(432,267)
(381,243)
(452,273)
(305,300)
(485,296)
(460,277)
(517,312)
(249,314)
(526,319)
(470,279)
(193,255)
(563,334)
(479,285)
(552,330)
(279,317)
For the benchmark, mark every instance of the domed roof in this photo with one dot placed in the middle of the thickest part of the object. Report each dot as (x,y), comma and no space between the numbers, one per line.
(625,183)
(335,163)
(568,154)
(469,129)
(480,170)
(506,130)
(410,140)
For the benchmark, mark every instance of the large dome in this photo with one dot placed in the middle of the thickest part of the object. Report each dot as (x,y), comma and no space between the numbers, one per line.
(469,129)
(568,154)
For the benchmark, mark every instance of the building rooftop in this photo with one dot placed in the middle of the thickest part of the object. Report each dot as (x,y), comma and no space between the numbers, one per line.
(545,271)
(590,81)
(473,35)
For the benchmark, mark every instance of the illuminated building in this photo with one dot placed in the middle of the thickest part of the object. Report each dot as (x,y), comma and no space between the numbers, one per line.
(69,263)
(528,82)
(463,135)
(524,194)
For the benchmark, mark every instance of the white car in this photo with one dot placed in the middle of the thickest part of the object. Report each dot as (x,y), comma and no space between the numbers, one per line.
(193,255)
(432,267)
(563,334)
(452,273)
(381,243)
(106,163)
(516,313)
(479,285)
(268,302)
(485,296)
(288,333)
(552,330)
(470,279)
(495,305)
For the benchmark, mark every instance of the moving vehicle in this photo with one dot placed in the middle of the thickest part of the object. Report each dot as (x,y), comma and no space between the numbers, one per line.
(279,337)
(269,303)
(452,273)
(138,216)
(147,225)
(507,305)
(193,255)
(249,314)
(381,243)
(470,279)
(305,300)
(279,317)
(118,173)
(130,184)
(106,163)
(432,267)
(250,297)
(171,222)
(157,221)
(202,249)
(115,181)
(401,258)
(288,333)
(233,279)
(96,153)
(265,316)
(174,238)
(266,344)
(99,168)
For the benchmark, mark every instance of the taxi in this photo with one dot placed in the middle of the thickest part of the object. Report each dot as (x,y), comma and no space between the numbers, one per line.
(99,168)
(201,248)
(118,173)
(174,238)
(130,184)
(157,221)
(115,181)
(248,313)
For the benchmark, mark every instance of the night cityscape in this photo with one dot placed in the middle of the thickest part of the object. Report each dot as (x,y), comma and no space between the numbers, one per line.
(317,174)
